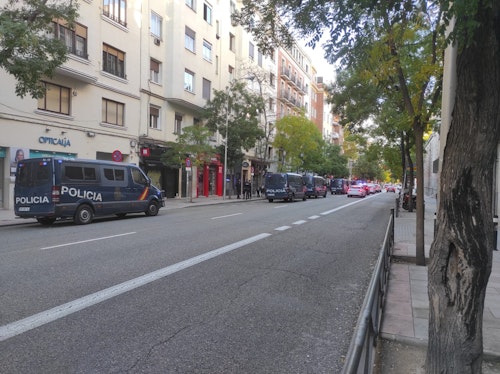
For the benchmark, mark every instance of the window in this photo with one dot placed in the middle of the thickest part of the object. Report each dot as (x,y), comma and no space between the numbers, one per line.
(271,104)
(207,88)
(178,123)
(231,42)
(154,117)
(191,4)
(116,10)
(251,51)
(74,39)
(189,81)
(230,70)
(113,112)
(207,13)
(56,99)
(156,21)
(138,177)
(154,67)
(114,174)
(207,51)
(189,39)
(113,61)
(259,58)
(80,173)
(272,80)
(232,7)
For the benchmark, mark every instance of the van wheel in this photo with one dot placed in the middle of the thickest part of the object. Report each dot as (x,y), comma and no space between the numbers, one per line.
(46,221)
(152,209)
(84,215)
(270,200)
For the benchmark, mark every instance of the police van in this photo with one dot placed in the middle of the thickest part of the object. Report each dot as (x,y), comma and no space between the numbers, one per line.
(285,186)
(50,188)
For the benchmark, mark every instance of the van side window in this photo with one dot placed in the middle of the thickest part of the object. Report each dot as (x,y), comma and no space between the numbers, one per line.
(138,177)
(80,173)
(112,174)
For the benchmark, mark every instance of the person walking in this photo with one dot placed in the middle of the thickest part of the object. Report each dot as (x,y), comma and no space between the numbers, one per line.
(238,188)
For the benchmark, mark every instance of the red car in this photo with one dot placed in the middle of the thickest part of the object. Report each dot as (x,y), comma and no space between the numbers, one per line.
(390,188)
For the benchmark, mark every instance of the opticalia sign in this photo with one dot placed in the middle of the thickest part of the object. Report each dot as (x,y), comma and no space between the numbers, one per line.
(54,141)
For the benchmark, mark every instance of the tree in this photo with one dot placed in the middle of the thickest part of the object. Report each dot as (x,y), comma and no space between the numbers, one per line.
(194,142)
(461,252)
(28,49)
(400,37)
(333,162)
(299,143)
(235,112)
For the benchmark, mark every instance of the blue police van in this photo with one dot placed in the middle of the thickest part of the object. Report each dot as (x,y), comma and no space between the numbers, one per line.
(284,186)
(50,188)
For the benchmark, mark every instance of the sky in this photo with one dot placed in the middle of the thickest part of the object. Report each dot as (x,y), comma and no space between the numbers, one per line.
(323,68)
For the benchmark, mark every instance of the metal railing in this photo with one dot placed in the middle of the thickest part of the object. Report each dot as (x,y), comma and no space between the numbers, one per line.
(361,355)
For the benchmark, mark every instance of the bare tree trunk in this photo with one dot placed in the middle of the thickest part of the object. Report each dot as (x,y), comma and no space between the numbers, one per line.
(461,253)
(419,150)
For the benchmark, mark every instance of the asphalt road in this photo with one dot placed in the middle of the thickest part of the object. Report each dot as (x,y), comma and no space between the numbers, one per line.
(230,288)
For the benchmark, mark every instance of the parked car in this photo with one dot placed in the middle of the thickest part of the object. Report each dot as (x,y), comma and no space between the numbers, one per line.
(370,188)
(378,188)
(356,190)
(390,188)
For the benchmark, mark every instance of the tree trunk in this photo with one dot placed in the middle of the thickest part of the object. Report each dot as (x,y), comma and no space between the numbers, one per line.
(419,155)
(461,253)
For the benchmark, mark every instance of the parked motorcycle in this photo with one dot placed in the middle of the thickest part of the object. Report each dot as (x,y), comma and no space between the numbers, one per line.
(406,201)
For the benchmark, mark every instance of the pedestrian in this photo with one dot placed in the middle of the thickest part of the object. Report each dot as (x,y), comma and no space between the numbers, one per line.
(247,190)
(238,188)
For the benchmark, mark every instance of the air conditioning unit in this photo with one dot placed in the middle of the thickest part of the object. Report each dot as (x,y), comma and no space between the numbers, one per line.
(157,41)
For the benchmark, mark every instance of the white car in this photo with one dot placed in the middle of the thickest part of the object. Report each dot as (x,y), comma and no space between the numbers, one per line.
(356,190)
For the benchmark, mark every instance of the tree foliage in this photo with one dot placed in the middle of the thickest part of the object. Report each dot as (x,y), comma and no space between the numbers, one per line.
(235,112)
(28,49)
(299,143)
(193,142)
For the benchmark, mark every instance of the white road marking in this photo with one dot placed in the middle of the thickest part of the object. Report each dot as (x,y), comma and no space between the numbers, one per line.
(281,206)
(282,228)
(16,328)
(342,207)
(229,215)
(299,222)
(89,240)
(313,217)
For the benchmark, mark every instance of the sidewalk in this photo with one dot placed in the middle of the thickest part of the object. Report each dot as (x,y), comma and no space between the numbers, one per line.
(406,312)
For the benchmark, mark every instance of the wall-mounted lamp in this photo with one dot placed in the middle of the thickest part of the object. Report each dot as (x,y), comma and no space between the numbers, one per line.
(47,129)
(90,134)
(133,143)
(75,92)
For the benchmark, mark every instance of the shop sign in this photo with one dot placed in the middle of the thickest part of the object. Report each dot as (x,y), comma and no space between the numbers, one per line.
(64,142)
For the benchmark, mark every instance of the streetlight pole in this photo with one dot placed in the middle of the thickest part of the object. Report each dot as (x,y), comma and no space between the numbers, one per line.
(225,146)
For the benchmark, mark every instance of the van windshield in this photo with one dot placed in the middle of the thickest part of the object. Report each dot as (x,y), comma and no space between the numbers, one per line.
(31,174)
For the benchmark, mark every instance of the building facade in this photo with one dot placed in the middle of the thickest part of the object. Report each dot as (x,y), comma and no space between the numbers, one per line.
(136,75)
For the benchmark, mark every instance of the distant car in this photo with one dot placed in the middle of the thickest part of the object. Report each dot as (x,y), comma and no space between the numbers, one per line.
(390,188)
(378,188)
(356,190)
(370,188)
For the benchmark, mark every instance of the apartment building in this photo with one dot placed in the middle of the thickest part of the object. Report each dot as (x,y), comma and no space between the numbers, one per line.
(138,72)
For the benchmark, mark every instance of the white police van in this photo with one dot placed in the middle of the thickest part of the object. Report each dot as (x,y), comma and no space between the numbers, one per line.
(50,188)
